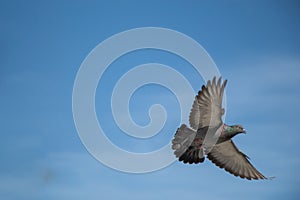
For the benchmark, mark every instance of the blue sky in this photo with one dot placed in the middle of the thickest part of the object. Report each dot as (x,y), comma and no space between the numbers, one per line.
(255,45)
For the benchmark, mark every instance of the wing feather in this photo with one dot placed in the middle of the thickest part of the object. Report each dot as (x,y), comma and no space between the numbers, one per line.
(226,155)
(207,107)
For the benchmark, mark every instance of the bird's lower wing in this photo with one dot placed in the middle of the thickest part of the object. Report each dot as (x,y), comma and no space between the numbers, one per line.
(226,155)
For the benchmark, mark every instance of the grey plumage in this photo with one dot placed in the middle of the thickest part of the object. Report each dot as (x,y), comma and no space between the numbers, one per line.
(209,136)
(226,155)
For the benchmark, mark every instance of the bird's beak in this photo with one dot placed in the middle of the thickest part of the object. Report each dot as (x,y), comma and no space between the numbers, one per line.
(244,131)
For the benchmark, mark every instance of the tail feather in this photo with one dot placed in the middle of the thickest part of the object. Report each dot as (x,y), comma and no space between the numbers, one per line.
(192,155)
(182,144)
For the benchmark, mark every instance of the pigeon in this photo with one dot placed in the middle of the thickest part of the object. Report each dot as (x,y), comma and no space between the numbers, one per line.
(209,136)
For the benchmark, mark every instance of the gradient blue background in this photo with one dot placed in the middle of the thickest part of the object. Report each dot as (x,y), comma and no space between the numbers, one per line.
(255,44)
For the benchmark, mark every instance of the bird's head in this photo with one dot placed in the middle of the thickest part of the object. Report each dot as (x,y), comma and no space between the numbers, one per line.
(235,129)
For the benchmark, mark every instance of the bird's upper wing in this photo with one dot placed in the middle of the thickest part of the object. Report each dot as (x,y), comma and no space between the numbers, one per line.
(226,155)
(207,107)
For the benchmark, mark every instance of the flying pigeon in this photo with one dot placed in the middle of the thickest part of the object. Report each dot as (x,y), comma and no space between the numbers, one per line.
(210,136)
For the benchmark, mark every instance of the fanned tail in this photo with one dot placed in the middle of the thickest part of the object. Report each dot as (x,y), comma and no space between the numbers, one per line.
(192,155)
(183,148)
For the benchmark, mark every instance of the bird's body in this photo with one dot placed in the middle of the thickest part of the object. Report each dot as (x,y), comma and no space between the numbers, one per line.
(209,136)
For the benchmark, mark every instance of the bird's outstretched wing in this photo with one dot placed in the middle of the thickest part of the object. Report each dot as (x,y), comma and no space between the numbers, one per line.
(226,155)
(207,107)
